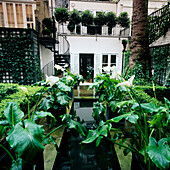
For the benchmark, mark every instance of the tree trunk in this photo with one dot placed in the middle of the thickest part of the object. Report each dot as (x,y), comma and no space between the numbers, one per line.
(139,42)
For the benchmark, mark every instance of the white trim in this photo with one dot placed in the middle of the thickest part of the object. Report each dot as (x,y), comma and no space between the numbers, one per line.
(5,14)
(15,16)
(24,15)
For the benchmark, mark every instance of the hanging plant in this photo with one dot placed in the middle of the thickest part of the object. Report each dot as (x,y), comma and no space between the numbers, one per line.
(61,15)
(123,20)
(74,17)
(100,19)
(87,18)
(71,26)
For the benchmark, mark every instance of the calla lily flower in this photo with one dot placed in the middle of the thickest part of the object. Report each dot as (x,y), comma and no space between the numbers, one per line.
(52,80)
(66,65)
(127,83)
(24,89)
(114,73)
(106,69)
(69,78)
(58,67)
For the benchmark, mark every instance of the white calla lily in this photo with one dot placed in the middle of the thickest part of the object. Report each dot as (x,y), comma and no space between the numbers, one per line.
(66,65)
(24,89)
(58,67)
(106,69)
(127,83)
(52,80)
(69,78)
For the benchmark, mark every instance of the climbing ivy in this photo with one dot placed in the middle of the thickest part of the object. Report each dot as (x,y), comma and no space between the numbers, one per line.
(19,63)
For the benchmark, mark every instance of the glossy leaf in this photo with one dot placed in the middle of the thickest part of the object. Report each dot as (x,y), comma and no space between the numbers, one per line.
(159,152)
(4,122)
(63,87)
(132,118)
(122,103)
(13,113)
(62,98)
(47,102)
(167,102)
(26,138)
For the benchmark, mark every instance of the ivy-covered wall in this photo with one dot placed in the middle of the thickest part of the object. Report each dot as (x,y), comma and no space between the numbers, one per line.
(19,56)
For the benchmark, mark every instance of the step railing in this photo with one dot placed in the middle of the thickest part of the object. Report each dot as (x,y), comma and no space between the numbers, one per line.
(158,23)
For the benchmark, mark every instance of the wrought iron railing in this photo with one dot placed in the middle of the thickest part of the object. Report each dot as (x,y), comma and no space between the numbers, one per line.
(158,23)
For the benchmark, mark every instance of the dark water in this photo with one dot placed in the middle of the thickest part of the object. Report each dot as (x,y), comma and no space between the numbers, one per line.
(73,156)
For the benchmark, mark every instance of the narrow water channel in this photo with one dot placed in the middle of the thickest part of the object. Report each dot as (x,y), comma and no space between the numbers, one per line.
(74,156)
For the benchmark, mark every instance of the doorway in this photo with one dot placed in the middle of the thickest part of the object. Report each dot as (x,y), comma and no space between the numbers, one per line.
(87,67)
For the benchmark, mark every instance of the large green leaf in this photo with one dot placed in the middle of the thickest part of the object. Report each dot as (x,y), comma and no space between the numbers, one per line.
(13,113)
(167,102)
(122,103)
(159,152)
(62,98)
(26,139)
(102,130)
(47,102)
(131,117)
(63,87)
(39,115)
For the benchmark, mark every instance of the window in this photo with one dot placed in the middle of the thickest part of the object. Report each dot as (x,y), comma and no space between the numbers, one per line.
(1,16)
(29,16)
(19,14)
(10,15)
(108,60)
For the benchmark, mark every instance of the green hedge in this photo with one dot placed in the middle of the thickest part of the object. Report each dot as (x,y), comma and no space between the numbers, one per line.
(17,95)
(145,98)
(161,91)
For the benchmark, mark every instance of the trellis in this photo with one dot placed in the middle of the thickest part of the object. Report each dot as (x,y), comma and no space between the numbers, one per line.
(19,56)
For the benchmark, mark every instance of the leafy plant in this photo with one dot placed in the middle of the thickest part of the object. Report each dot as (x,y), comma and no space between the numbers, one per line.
(71,26)
(100,19)
(61,15)
(87,18)
(111,20)
(48,23)
(74,17)
(46,32)
(123,20)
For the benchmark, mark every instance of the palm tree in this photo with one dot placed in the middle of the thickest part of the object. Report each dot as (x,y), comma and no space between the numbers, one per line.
(139,41)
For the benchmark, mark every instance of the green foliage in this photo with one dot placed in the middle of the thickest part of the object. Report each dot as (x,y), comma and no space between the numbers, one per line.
(100,19)
(74,17)
(7,89)
(48,23)
(161,91)
(19,62)
(61,15)
(71,26)
(123,20)
(87,18)
(111,19)
(19,97)
(46,32)
(159,152)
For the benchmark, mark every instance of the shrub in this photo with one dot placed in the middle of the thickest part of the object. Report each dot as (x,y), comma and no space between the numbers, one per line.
(61,15)
(71,26)
(48,23)
(111,19)
(87,18)
(100,19)
(74,17)
(161,91)
(46,32)
(19,97)
(123,20)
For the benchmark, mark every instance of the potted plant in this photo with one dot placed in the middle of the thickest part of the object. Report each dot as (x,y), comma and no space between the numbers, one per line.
(90,73)
(110,21)
(48,23)
(71,27)
(87,18)
(123,20)
(46,32)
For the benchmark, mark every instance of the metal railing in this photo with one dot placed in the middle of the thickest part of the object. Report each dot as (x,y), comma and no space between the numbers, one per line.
(158,23)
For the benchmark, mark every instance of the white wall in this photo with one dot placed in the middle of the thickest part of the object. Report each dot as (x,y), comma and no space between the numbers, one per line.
(97,46)
(45,56)
(93,6)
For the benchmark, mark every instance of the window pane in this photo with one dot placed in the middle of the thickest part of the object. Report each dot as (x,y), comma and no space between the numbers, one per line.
(105,59)
(10,14)
(113,59)
(1,16)
(20,21)
(29,13)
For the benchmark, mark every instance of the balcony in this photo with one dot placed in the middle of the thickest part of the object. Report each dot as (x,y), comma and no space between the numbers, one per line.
(94,31)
